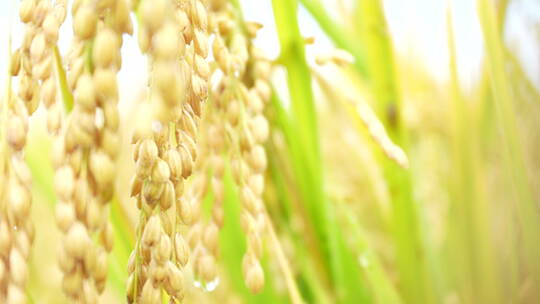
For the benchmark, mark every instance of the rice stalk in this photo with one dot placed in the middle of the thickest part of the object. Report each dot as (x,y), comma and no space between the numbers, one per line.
(506,119)
(468,225)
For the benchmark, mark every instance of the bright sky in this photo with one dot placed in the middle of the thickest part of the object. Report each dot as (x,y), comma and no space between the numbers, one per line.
(417,26)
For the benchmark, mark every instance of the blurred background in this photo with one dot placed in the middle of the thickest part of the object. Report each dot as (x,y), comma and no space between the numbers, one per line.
(456,85)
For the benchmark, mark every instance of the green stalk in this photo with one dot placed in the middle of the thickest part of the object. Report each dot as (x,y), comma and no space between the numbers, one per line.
(373,31)
(339,262)
(314,290)
(470,251)
(67,97)
(412,252)
(384,290)
(124,241)
(312,276)
(514,163)
(303,117)
(502,7)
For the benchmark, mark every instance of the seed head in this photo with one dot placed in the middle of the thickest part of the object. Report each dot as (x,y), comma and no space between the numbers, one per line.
(43,69)
(100,271)
(152,191)
(60,12)
(163,250)
(200,17)
(221,54)
(148,153)
(105,49)
(165,79)
(253,28)
(264,90)
(50,28)
(175,280)
(65,215)
(181,249)
(254,277)
(121,16)
(18,267)
(187,161)
(16,132)
(153,13)
(168,196)
(248,199)
(186,210)
(202,67)
(23,242)
(143,37)
(256,183)
(48,91)
(211,238)
(26,10)
(15,63)
(5,236)
(201,43)
(110,143)
(161,172)
(33,103)
(84,22)
(174,161)
(257,159)
(15,295)
(206,267)
(94,215)
(152,231)
(107,237)
(260,129)
(19,201)
(103,169)
(90,294)
(22,172)
(77,240)
(166,42)
(263,69)
(85,93)
(254,243)
(150,294)
(54,119)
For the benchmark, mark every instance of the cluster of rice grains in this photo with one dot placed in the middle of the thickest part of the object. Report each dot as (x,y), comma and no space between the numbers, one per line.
(36,56)
(16,228)
(240,97)
(175,37)
(84,157)
(33,64)
(207,88)
(181,158)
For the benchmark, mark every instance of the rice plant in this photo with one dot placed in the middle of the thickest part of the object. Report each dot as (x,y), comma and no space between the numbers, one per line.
(229,174)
